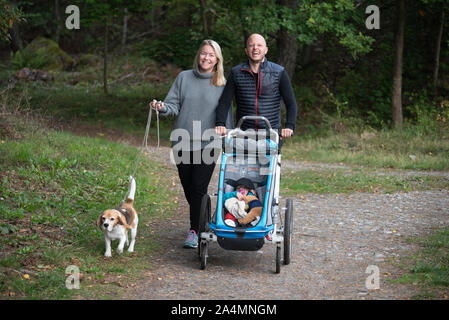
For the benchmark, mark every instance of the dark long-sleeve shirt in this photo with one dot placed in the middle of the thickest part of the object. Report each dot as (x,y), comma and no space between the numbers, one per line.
(286,92)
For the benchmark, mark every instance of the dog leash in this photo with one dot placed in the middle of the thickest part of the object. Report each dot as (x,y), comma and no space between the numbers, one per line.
(144,145)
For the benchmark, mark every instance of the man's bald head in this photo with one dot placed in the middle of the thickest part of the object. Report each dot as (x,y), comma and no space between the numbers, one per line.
(256,48)
(256,37)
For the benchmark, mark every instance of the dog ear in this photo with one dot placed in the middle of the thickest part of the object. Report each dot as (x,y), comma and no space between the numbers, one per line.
(99,221)
(122,220)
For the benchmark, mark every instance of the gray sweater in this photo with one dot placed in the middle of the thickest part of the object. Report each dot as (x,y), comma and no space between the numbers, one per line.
(193,99)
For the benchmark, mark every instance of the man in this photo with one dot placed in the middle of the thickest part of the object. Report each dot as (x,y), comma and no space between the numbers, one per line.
(258,86)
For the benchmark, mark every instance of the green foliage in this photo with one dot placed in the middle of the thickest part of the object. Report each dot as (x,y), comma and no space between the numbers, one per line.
(9,15)
(355,180)
(42,53)
(178,49)
(338,17)
(307,21)
(26,58)
(428,267)
(413,147)
(331,35)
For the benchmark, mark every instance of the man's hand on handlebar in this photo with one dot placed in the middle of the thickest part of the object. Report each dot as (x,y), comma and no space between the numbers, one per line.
(286,133)
(220,130)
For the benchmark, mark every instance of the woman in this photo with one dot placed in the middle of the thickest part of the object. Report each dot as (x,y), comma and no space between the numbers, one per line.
(193,98)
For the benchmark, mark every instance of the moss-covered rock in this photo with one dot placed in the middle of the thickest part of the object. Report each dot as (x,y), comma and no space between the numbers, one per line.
(58,59)
(87,60)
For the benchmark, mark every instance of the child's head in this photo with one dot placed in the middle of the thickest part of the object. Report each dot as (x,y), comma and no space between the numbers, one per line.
(244,186)
(243,190)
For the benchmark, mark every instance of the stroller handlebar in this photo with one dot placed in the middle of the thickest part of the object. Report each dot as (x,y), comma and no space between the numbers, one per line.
(242,119)
(237,130)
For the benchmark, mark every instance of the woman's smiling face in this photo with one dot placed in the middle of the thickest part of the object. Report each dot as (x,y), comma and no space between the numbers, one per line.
(207,59)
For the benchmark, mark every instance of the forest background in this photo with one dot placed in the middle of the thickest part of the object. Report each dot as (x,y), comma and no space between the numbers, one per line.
(350,68)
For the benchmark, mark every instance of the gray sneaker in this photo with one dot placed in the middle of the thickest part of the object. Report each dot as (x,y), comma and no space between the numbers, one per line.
(192,240)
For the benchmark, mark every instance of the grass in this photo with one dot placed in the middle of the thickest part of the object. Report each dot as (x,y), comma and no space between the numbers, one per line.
(428,268)
(355,180)
(410,148)
(53,187)
(78,95)
(124,108)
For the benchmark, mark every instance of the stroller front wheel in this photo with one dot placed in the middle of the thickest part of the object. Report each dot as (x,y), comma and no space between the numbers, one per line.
(278,259)
(288,231)
(203,246)
(205,211)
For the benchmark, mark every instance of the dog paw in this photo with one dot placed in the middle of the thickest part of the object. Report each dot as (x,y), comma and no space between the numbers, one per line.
(119,251)
(108,255)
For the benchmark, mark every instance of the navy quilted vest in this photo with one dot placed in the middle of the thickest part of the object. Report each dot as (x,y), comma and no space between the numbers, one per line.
(261,97)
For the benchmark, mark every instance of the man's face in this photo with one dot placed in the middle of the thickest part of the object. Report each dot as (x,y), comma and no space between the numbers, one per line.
(256,48)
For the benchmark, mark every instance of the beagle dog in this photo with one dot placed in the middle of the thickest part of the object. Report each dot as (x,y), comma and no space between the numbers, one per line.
(116,222)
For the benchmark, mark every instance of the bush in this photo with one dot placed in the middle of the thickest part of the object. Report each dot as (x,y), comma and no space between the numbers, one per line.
(27,59)
(42,53)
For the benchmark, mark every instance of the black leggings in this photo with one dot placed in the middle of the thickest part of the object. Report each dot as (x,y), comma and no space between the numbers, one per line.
(195,178)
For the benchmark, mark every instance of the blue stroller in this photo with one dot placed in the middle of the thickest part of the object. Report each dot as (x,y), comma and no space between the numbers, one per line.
(253,155)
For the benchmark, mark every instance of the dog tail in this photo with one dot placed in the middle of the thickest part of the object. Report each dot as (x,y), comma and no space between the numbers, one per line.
(132,190)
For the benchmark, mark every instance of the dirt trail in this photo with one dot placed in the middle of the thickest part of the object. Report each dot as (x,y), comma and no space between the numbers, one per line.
(335,239)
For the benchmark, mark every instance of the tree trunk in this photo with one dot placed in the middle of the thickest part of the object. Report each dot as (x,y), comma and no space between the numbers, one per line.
(16,40)
(105,58)
(396,106)
(287,43)
(203,18)
(58,22)
(305,56)
(125,30)
(245,32)
(437,54)
(287,51)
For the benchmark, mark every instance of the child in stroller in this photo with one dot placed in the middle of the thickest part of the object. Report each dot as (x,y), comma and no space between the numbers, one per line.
(242,205)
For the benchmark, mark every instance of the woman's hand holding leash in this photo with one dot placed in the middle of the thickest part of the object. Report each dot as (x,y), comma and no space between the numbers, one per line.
(157,105)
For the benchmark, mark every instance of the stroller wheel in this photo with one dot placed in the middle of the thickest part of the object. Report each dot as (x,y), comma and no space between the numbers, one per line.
(288,231)
(278,259)
(203,246)
(204,219)
(204,214)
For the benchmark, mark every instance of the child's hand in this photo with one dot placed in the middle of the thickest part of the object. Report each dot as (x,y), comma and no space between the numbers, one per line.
(240,196)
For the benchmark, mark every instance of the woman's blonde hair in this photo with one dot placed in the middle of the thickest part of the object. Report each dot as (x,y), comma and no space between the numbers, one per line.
(218,78)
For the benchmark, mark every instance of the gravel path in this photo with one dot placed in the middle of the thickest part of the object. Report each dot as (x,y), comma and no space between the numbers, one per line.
(335,239)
